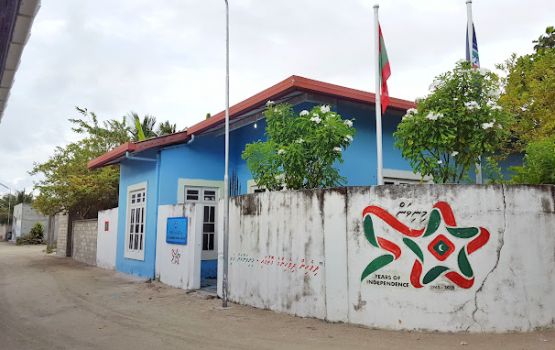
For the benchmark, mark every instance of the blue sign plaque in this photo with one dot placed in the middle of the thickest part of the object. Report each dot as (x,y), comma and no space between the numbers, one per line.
(176,230)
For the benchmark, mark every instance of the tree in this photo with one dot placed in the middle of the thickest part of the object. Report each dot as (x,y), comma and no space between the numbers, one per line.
(458,122)
(8,201)
(539,163)
(143,129)
(529,93)
(545,41)
(300,150)
(66,184)
(166,128)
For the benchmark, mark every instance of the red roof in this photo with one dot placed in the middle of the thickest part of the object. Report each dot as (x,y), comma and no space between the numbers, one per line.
(293,83)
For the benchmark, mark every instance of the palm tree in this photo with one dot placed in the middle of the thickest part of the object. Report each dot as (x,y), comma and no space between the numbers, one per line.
(144,129)
(22,197)
(166,128)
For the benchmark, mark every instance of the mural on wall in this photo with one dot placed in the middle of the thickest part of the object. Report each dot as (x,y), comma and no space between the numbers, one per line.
(175,256)
(441,248)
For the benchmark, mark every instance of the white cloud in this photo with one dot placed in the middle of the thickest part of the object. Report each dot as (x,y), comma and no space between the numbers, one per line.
(166,58)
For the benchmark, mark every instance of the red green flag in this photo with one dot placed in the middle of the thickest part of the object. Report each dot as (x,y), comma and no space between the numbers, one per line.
(385,72)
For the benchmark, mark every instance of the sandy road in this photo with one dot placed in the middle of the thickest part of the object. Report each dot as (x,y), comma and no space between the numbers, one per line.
(54,303)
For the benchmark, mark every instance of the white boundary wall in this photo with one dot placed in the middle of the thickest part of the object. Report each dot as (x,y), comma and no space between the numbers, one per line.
(179,265)
(106,241)
(305,253)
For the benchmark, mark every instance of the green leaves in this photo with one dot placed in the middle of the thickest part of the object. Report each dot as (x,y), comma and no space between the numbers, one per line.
(539,163)
(454,125)
(300,150)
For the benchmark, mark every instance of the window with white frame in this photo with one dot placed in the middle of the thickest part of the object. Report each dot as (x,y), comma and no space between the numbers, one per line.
(403,177)
(252,187)
(135,225)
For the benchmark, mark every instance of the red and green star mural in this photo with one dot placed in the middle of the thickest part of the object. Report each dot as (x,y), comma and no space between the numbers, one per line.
(439,242)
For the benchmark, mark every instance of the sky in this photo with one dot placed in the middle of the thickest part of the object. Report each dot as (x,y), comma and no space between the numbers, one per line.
(167,57)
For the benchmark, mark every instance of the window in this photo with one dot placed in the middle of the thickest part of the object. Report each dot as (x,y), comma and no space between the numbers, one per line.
(191,194)
(252,187)
(403,177)
(135,225)
(200,194)
(208,227)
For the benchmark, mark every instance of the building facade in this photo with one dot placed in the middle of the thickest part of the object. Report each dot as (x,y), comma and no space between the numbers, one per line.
(188,167)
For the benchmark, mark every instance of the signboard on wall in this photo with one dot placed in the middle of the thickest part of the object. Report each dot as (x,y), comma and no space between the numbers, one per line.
(176,230)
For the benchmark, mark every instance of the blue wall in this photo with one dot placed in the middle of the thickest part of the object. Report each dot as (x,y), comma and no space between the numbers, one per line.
(133,172)
(359,167)
(201,159)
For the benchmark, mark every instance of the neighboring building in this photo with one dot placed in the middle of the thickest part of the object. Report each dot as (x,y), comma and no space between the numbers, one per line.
(188,166)
(3,231)
(24,218)
(16,19)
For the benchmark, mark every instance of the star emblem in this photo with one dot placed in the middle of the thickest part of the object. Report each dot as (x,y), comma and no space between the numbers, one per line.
(448,245)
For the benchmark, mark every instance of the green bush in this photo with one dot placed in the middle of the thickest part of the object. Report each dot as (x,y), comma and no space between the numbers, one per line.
(301,149)
(35,236)
(539,163)
(454,125)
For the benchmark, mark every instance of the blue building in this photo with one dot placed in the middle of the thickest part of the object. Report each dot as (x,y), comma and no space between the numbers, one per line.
(188,166)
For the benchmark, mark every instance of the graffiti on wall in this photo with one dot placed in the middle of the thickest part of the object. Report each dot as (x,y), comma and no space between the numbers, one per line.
(441,248)
(175,256)
(292,265)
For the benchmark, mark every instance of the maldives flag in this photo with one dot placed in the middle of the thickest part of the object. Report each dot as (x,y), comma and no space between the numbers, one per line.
(385,72)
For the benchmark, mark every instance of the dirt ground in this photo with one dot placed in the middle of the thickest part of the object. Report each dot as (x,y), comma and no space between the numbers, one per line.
(48,302)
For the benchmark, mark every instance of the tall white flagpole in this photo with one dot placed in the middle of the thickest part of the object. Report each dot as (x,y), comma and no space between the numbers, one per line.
(470,46)
(226,177)
(379,156)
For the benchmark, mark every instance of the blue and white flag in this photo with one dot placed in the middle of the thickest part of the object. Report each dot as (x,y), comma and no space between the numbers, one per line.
(475,57)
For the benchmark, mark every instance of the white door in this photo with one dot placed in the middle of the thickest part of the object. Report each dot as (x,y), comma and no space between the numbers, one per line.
(205,199)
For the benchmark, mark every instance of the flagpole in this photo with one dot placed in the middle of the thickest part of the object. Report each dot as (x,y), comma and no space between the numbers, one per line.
(378,98)
(470,48)
(226,171)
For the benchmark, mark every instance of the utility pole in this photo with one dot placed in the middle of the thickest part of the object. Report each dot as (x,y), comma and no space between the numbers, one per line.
(226,177)
(9,204)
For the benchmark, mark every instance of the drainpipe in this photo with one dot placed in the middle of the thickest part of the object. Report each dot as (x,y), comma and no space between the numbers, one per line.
(158,161)
(191,140)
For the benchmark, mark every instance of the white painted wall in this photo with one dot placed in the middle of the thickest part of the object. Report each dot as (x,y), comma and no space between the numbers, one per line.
(24,218)
(513,272)
(179,265)
(276,255)
(106,242)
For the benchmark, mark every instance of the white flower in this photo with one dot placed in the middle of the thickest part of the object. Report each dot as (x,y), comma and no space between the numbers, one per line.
(325,108)
(494,94)
(348,123)
(280,177)
(316,119)
(348,138)
(281,151)
(269,103)
(455,98)
(435,84)
(454,153)
(499,126)
(440,162)
(484,71)
(412,111)
(486,126)
(299,141)
(472,105)
(434,116)
(461,61)
(494,106)
(337,149)
(524,108)
(303,113)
